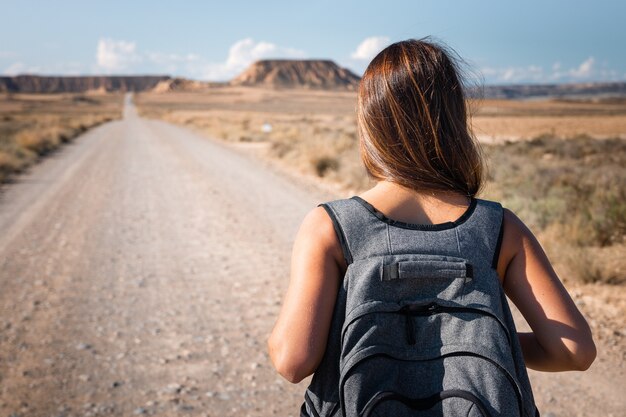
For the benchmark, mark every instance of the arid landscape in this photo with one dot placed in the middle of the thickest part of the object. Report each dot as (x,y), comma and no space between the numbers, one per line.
(143,263)
(557,163)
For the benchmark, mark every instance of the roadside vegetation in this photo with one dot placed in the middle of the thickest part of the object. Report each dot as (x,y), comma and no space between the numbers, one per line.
(34,125)
(572,192)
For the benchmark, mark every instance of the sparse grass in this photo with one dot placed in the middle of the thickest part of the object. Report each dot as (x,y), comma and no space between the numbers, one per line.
(578,184)
(591,266)
(32,126)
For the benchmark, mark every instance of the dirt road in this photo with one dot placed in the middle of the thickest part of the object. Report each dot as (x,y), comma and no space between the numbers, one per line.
(141,269)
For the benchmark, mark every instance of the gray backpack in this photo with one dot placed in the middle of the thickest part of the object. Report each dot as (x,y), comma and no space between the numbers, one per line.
(421,325)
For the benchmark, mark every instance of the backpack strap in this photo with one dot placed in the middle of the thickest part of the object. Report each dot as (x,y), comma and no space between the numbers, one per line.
(339,231)
(496,252)
(481,235)
(360,233)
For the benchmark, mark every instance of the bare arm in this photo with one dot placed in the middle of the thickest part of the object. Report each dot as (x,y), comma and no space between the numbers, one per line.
(561,339)
(298,340)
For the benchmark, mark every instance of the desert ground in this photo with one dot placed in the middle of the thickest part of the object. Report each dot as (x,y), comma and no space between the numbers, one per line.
(143,264)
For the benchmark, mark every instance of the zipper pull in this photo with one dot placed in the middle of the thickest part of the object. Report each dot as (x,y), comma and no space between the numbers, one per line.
(433,308)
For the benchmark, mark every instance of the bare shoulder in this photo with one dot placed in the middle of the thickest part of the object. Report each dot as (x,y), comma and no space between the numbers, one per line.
(318,225)
(515,236)
(318,218)
(317,229)
(523,261)
(514,226)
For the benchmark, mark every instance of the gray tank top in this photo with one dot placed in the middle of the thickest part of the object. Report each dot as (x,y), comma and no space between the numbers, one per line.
(364,233)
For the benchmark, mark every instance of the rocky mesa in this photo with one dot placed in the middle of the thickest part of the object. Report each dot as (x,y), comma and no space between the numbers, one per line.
(79,84)
(297,73)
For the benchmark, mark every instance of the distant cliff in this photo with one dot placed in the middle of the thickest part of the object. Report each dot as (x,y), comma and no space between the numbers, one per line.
(578,90)
(303,73)
(78,84)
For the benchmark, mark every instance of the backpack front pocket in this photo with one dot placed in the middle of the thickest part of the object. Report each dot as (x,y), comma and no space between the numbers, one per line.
(451,384)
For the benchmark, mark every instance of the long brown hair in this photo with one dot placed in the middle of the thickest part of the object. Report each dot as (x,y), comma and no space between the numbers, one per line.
(412,120)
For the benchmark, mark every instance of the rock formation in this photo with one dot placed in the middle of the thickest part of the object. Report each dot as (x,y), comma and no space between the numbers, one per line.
(303,73)
(78,84)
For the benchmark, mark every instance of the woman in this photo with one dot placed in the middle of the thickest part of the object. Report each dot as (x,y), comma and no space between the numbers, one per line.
(416,143)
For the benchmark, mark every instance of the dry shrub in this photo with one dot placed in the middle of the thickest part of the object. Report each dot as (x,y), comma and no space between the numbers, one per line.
(8,164)
(324,164)
(40,141)
(321,146)
(589,268)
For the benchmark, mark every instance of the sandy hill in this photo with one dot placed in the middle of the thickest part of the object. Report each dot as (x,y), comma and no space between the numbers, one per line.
(78,84)
(305,73)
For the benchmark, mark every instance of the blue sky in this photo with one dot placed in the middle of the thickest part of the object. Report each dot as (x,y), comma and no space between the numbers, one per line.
(503,41)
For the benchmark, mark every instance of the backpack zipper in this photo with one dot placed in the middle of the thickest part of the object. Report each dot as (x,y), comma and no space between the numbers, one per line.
(420,310)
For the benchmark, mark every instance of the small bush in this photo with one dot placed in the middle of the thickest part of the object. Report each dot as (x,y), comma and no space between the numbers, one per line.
(324,164)
(8,164)
(590,269)
(39,141)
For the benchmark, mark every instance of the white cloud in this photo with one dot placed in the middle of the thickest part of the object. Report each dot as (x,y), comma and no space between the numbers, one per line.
(243,53)
(116,55)
(18,68)
(119,55)
(14,69)
(531,73)
(369,47)
(584,70)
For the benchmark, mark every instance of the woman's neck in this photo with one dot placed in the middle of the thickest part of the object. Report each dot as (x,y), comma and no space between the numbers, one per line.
(410,206)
